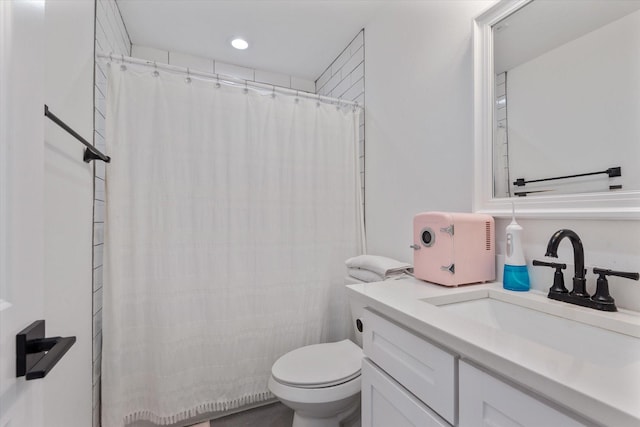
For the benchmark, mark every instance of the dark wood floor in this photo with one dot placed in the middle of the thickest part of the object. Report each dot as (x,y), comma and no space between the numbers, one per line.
(274,415)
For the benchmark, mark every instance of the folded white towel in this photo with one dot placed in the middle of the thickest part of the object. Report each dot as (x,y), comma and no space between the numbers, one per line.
(364,275)
(382,266)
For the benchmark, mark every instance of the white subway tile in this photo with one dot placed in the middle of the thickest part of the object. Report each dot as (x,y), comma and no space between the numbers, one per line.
(99,141)
(341,88)
(97,301)
(96,394)
(323,79)
(357,73)
(501,113)
(340,61)
(96,416)
(101,105)
(354,91)
(97,368)
(97,346)
(234,71)
(98,211)
(98,254)
(99,189)
(97,278)
(97,323)
(191,61)
(150,54)
(101,37)
(324,91)
(303,84)
(357,42)
(360,101)
(332,83)
(100,169)
(276,79)
(98,233)
(353,62)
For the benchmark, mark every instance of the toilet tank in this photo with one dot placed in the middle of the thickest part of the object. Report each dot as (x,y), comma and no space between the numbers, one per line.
(357,311)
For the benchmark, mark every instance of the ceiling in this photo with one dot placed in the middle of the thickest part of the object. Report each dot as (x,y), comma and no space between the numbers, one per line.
(296,37)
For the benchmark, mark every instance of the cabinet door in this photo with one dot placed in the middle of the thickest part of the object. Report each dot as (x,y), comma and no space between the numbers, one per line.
(488,402)
(386,403)
(422,368)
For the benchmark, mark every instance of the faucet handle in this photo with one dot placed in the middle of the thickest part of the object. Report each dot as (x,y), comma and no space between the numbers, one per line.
(558,278)
(602,297)
(606,272)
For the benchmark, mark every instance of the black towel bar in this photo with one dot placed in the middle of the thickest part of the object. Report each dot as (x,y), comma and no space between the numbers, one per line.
(91,152)
(611,172)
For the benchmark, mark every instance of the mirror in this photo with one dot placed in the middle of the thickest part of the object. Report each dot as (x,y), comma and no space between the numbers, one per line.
(557,99)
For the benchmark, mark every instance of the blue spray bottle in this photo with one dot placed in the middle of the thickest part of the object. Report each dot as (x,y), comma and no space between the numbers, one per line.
(516,275)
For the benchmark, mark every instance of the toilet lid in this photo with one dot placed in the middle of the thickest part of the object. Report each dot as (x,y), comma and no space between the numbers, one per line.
(319,365)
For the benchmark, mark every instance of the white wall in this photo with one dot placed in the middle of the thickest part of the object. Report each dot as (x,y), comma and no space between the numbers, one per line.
(419,117)
(420,144)
(68,206)
(21,201)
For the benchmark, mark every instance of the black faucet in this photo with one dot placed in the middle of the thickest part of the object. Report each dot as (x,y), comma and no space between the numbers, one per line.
(579,281)
(601,300)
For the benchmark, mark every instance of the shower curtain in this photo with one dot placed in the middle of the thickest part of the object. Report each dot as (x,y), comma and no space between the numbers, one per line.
(230,213)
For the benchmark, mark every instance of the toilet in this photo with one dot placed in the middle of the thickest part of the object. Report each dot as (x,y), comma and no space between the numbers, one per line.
(321,382)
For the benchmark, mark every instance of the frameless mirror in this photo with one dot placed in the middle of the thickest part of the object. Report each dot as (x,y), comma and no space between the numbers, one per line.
(557,107)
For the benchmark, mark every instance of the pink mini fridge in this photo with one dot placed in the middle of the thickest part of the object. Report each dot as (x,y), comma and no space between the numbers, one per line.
(454,249)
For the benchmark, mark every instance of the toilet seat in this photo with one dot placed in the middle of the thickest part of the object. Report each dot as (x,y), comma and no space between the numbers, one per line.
(319,365)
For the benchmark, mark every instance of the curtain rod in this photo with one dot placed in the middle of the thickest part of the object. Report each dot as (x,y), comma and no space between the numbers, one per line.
(228,80)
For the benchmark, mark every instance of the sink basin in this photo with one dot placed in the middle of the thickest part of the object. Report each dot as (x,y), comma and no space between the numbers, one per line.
(600,338)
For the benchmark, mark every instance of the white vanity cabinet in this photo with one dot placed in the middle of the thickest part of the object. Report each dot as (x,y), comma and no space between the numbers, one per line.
(385,403)
(415,366)
(488,401)
(409,381)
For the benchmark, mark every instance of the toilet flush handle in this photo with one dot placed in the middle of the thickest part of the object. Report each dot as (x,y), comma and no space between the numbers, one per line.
(359,325)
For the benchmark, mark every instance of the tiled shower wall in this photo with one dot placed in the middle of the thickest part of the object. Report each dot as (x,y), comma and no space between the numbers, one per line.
(344,79)
(110,37)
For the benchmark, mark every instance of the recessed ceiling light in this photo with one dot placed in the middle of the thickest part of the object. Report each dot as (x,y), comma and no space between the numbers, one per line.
(239,44)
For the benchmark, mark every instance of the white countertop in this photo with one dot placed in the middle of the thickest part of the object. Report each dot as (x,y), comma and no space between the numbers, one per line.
(609,395)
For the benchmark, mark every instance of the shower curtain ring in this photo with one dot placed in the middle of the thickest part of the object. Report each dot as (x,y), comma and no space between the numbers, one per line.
(318,101)
(217,81)
(273,92)
(188,79)
(122,66)
(246,87)
(155,71)
(297,99)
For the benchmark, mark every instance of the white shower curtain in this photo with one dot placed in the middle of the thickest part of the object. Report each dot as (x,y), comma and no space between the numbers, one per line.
(229,216)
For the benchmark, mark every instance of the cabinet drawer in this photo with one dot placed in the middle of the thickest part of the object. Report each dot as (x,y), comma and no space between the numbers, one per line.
(422,368)
(386,403)
(487,401)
